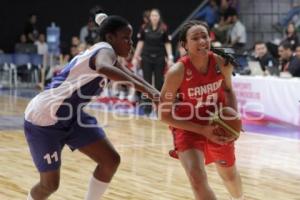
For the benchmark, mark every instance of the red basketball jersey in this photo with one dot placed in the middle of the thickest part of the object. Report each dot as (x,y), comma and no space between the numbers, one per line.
(200,93)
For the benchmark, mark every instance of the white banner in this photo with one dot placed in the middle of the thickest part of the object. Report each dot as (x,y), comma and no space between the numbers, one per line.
(269,98)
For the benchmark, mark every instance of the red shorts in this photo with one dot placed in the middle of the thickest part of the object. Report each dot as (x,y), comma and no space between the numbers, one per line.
(221,154)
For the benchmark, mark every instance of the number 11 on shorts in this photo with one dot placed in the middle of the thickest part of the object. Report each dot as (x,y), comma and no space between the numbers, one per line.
(49,157)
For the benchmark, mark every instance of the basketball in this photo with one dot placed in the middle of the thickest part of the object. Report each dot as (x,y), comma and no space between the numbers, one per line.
(229,121)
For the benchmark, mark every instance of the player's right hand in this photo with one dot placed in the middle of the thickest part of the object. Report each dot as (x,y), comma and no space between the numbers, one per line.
(211,134)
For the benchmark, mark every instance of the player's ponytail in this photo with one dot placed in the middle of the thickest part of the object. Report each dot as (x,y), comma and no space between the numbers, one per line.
(227,57)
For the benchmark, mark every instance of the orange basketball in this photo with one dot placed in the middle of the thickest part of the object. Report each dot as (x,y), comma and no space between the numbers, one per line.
(229,122)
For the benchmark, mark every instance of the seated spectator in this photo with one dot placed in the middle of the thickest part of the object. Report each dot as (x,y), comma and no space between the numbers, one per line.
(23,39)
(221,29)
(42,46)
(291,36)
(237,33)
(267,62)
(88,32)
(297,52)
(290,63)
(23,46)
(75,41)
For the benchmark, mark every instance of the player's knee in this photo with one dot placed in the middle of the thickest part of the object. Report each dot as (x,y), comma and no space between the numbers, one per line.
(115,160)
(197,176)
(50,186)
(113,163)
(229,176)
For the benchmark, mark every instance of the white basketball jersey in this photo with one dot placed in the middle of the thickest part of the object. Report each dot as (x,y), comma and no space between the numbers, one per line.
(69,91)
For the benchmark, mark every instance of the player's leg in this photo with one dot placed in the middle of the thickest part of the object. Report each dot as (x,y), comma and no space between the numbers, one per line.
(107,159)
(48,184)
(45,148)
(105,155)
(224,158)
(89,139)
(193,162)
(232,180)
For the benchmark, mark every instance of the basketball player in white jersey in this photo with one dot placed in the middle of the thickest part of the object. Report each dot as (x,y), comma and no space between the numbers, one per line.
(55,118)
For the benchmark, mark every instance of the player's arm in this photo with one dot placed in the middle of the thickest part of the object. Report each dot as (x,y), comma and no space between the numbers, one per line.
(104,63)
(227,70)
(172,83)
(129,72)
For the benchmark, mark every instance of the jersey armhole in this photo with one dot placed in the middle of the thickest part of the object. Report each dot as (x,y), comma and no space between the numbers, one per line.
(92,60)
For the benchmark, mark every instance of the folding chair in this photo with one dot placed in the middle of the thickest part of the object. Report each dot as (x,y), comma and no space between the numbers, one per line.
(37,63)
(6,61)
(19,60)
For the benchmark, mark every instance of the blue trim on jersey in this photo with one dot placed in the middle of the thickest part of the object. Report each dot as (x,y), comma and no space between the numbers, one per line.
(62,76)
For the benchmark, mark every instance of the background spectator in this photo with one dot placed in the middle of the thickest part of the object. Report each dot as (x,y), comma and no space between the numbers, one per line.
(153,46)
(291,36)
(31,29)
(297,52)
(237,33)
(267,62)
(154,42)
(290,63)
(42,46)
(88,32)
(146,18)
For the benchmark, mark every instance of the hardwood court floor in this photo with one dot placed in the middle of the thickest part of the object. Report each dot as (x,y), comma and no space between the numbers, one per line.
(269,166)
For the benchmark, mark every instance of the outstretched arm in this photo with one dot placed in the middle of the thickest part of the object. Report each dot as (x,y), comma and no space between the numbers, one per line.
(129,72)
(104,63)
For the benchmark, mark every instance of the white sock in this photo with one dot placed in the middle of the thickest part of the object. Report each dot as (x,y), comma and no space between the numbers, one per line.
(239,198)
(96,189)
(29,197)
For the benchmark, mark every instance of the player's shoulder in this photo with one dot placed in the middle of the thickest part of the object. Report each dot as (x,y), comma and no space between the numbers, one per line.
(176,69)
(104,49)
(176,72)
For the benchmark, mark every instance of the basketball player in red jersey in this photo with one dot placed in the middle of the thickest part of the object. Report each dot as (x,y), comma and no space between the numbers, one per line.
(197,84)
